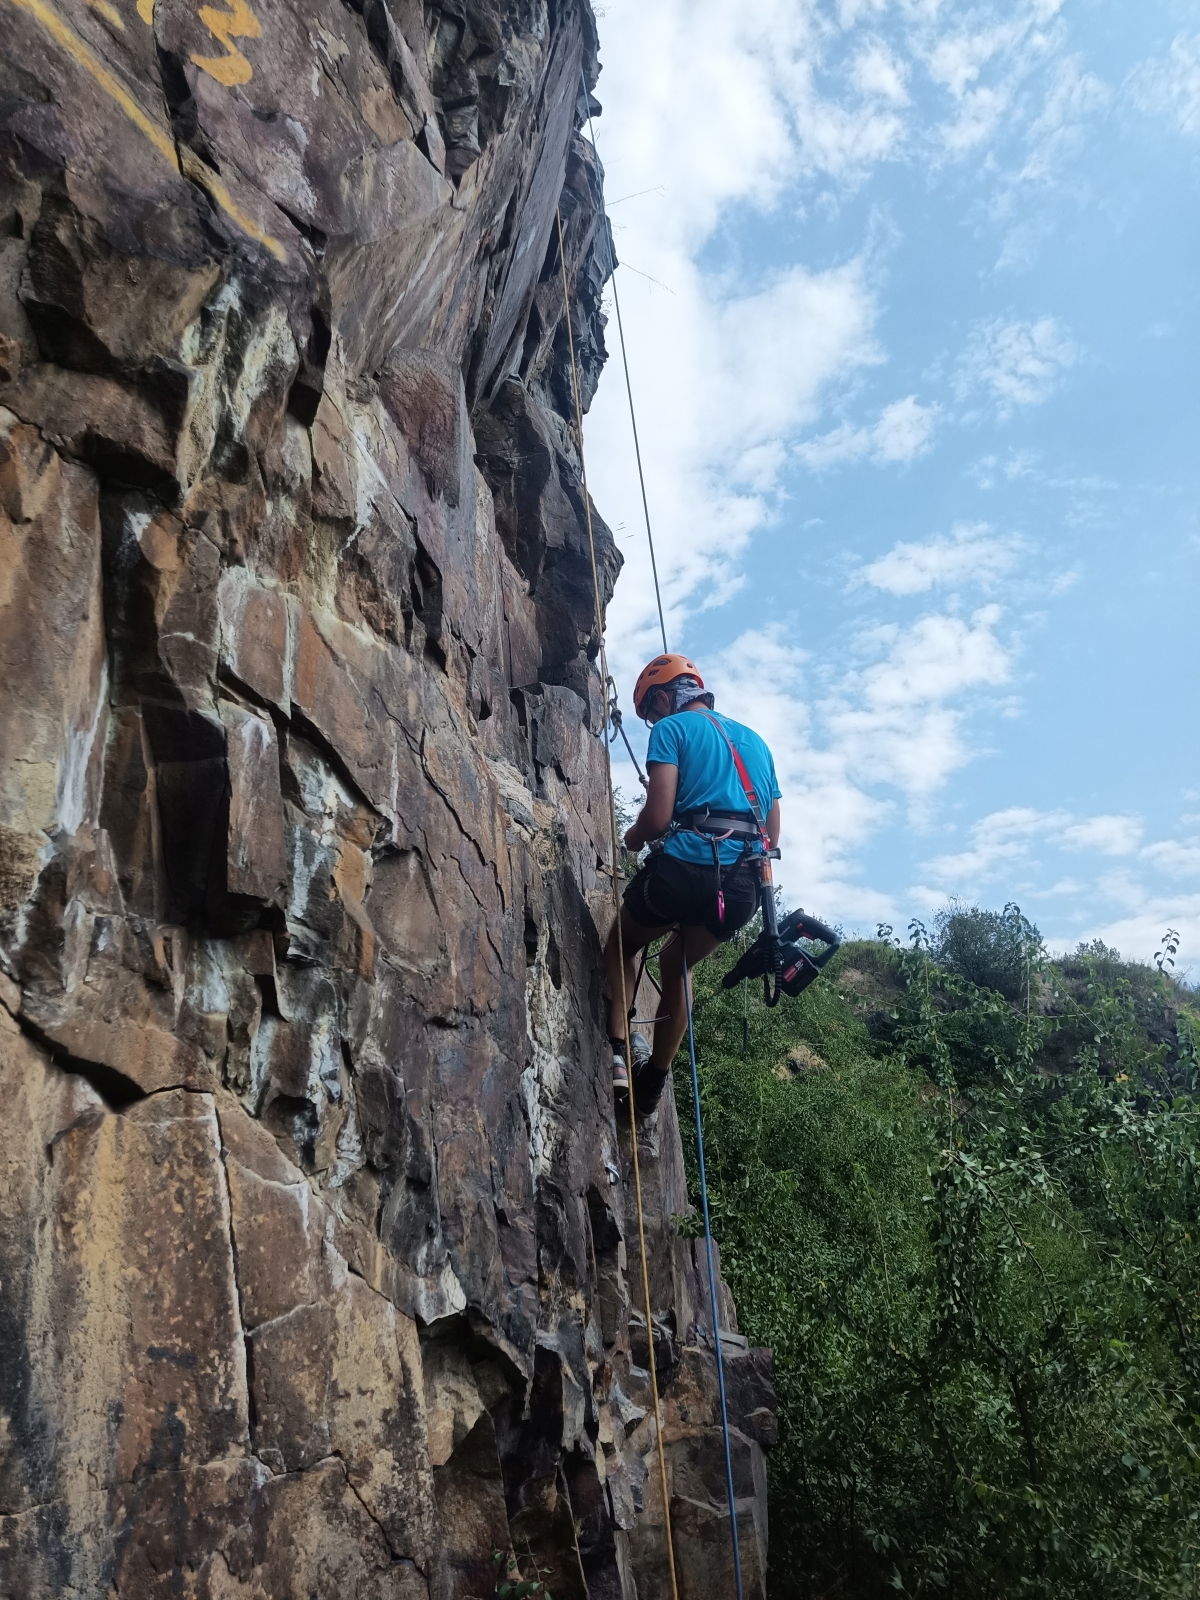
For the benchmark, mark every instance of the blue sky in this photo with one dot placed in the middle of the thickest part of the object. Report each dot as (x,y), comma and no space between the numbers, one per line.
(913,322)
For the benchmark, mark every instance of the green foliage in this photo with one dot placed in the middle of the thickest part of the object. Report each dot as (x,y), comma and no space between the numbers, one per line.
(965,1226)
(991,949)
(511,1584)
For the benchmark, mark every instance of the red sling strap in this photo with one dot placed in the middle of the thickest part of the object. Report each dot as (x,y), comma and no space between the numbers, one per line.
(747,785)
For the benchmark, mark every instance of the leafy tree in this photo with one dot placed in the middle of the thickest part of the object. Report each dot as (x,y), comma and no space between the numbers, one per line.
(965,1225)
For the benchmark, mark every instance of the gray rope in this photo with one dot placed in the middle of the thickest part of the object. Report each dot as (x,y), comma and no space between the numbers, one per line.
(637,449)
(712,1276)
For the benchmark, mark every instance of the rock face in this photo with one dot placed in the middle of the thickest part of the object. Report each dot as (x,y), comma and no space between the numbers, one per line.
(316,1234)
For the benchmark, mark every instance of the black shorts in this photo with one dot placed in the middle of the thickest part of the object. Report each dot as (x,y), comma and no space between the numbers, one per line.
(668,890)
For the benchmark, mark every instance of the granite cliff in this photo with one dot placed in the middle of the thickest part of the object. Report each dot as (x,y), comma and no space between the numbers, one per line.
(317,1248)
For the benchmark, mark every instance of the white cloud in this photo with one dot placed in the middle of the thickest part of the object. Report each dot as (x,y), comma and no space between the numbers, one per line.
(1064,886)
(984,65)
(894,719)
(878,72)
(1108,835)
(1004,837)
(956,61)
(1014,844)
(903,429)
(723,385)
(1170,86)
(727,373)
(1147,915)
(838,140)
(731,372)
(972,554)
(827,814)
(1001,838)
(774,350)
(1073,97)
(850,11)
(1179,857)
(1017,363)
(980,114)
(902,433)
(893,723)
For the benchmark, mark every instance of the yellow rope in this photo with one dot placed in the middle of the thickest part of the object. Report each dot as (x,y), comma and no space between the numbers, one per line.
(612,825)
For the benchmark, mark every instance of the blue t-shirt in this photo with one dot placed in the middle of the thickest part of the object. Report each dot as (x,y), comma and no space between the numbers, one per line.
(707,774)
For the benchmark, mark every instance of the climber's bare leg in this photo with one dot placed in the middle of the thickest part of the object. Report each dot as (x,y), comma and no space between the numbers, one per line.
(634,940)
(697,943)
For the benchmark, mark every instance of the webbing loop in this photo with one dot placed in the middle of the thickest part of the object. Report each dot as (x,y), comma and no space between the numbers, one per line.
(612,824)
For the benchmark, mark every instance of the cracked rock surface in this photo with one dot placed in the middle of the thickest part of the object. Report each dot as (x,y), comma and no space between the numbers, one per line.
(319,1269)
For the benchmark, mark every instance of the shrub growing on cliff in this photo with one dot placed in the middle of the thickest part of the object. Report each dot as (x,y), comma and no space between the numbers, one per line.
(991,949)
(971,1251)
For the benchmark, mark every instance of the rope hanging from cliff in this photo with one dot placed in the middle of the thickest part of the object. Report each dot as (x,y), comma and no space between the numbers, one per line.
(712,1275)
(612,824)
(687,987)
(637,449)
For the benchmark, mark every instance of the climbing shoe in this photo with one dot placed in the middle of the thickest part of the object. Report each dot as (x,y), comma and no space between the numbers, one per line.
(648,1085)
(641,1055)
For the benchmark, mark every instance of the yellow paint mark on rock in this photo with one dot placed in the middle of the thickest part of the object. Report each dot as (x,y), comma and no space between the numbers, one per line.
(109,13)
(239,22)
(195,169)
(63,34)
(185,161)
(146,11)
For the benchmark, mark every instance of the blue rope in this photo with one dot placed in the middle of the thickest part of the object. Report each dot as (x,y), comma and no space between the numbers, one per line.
(712,1276)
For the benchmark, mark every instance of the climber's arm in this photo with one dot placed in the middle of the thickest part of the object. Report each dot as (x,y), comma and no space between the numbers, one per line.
(773,824)
(655,816)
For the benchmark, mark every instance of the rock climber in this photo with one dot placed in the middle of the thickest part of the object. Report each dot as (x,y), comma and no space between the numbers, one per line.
(707,776)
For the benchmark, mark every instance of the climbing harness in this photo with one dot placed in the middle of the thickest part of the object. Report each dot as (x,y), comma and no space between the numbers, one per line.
(612,824)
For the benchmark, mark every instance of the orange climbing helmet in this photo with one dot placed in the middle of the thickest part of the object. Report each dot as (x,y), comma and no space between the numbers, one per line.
(659,673)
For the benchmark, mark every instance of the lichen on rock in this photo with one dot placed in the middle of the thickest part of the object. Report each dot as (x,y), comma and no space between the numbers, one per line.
(316,1237)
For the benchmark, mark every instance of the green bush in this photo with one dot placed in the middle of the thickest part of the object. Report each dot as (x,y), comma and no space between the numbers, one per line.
(972,1256)
(991,949)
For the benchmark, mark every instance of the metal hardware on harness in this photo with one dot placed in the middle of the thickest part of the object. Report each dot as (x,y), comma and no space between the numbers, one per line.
(721,824)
